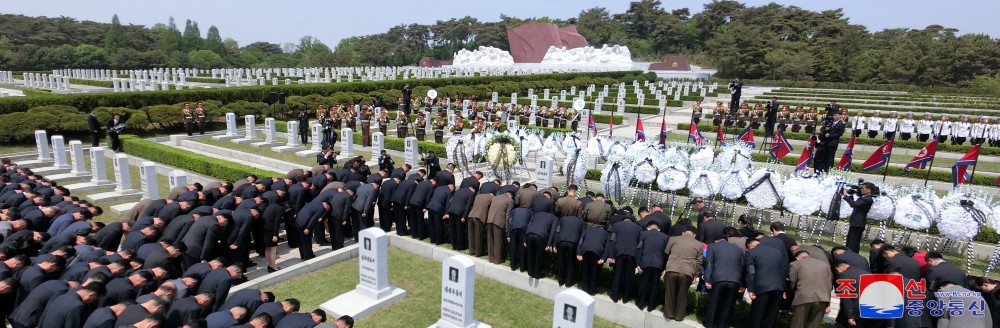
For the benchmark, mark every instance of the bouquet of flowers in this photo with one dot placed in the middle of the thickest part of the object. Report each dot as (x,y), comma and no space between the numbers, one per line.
(503,152)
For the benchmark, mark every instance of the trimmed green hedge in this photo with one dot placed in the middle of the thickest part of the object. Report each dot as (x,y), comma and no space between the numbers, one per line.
(862,140)
(95,83)
(182,159)
(204,80)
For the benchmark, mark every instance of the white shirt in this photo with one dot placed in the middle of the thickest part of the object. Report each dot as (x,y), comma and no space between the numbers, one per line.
(858,123)
(962,129)
(943,128)
(906,125)
(890,124)
(874,123)
(925,127)
(978,129)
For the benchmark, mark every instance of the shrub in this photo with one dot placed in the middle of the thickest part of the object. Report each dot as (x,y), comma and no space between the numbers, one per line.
(185,160)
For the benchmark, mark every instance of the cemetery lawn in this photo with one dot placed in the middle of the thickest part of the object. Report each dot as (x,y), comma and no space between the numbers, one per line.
(497,304)
(8,149)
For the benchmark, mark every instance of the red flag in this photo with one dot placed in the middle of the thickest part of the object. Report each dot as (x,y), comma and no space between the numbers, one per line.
(663,131)
(720,135)
(780,148)
(611,126)
(640,132)
(592,126)
(807,155)
(879,157)
(845,161)
(959,171)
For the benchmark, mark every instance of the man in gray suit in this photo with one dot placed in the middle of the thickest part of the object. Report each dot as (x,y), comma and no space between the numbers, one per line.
(362,210)
(812,281)
(683,259)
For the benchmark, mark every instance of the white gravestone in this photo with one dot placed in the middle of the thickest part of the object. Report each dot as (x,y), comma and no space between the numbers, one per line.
(250,131)
(545,93)
(378,143)
(642,100)
(293,139)
(495,97)
(458,293)
(621,106)
(42,143)
(270,135)
(511,125)
(59,153)
(123,174)
(410,149)
(346,143)
(513,98)
(584,120)
(231,132)
(177,178)
(573,308)
(317,141)
(98,168)
(79,168)
(562,95)
(373,290)
(534,101)
(543,171)
(147,180)
(597,105)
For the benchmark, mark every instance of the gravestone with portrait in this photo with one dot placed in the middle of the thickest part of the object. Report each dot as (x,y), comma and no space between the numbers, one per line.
(573,308)
(378,144)
(270,134)
(543,172)
(458,294)
(621,106)
(293,139)
(373,290)
(177,178)
(250,131)
(79,167)
(410,151)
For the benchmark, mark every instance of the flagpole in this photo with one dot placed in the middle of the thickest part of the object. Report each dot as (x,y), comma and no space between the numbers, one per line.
(982,135)
(930,166)
(888,160)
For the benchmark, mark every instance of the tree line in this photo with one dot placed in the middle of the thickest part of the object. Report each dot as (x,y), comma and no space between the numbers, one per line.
(773,41)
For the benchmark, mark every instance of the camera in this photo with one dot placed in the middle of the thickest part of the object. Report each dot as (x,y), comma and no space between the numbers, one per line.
(854,189)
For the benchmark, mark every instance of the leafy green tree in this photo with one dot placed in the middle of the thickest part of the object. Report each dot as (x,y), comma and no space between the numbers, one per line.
(214,43)
(204,59)
(191,39)
(116,36)
(90,56)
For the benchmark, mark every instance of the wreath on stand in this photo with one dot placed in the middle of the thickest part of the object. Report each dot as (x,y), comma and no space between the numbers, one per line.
(503,152)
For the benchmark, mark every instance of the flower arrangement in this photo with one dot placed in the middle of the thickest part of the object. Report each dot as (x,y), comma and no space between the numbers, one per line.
(767,193)
(674,177)
(800,196)
(503,152)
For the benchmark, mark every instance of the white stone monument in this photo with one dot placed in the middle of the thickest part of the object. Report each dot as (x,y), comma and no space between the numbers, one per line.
(373,291)
(543,172)
(317,141)
(458,294)
(270,135)
(98,168)
(346,143)
(378,144)
(42,144)
(621,106)
(410,151)
(147,180)
(231,132)
(79,168)
(573,308)
(123,175)
(59,153)
(177,178)
(293,139)
(584,121)
(250,131)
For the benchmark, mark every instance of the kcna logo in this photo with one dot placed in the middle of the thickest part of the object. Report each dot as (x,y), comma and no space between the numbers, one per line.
(881,296)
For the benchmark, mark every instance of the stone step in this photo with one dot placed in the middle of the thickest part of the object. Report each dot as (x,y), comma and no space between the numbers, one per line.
(114,196)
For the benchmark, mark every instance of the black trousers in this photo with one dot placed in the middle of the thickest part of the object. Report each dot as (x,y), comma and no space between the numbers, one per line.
(399,215)
(649,289)
(385,217)
(764,309)
(319,231)
(857,133)
(338,231)
(923,137)
(459,232)
(356,223)
(905,136)
(942,139)
(534,255)
(566,263)
(305,246)
(958,140)
(116,144)
(889,135)
(436,227)
(589,271)
(517,250)
(676,286)
(304,135)
(416,221)
(853,241)
(872,133)
(721,299)
(95,139)
(621,279)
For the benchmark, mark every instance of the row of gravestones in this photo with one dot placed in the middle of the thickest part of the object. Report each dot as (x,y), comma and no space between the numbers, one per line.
(573,308)
(98,170)
(543,167)
(46,81)
(6,77)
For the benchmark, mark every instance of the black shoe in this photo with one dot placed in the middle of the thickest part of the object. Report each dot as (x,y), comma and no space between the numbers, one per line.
(251,264)
(270,269)
(324,243)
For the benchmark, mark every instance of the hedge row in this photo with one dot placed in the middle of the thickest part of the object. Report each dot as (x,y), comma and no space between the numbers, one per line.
(205,80)
(918,112)
(846,86)
(862,140)
(95,83)
(186,160)
(903,101)
(227,95)
(886,96)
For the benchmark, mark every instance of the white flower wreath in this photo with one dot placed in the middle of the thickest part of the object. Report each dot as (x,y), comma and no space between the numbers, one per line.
(916,211)
(615,178)
(502,154)
(672,178)
(703,183)
(734,183)
(702,157)
(831,186)
(800,196)
(957,223)
(764,195)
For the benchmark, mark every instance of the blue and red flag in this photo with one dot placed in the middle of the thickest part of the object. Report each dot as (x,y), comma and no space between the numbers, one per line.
(747,137)
(807,154)
(640,132)
(781,147)
(879,157)
(592,126)
(845,161)
(960,171)
(720,135)
(663,131)
(696,135)
(926,155)
(611,126)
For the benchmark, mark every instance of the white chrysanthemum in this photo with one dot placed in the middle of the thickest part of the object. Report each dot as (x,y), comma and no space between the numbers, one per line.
(914,211)
(615,179)
(733,184)
(957,223)
(766,194)
(571,142)
(598,147)
(645,172)
(883,208)
(995,221)
(702,158)
(677,155)
(801,196)
(703,183)
(552,144)
(617,150)
(830,187)
(736,155)
(672,178)
(578,159)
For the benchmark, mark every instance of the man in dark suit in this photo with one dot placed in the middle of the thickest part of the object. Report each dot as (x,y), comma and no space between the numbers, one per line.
(436,207)
(35,275)
(248,298)
(516,229)
(711,229)
(537,238)
(564,244)
(115,125)
(861,205)
(307,219)
(897,262)
(278,310)
(766,271)
(657,216)
(651,263)
(339,223)
(736,89)
(137,312)
(772,116)
(29,311)
(362,209)
(590,252)
(525,195)
(471,181)
(203,237)
(418,206)
(683,260)
(457,213)
(849,315)
(724,279)
(812,281)
(126,288)
(400,204)
(622,250)
(543,203)
(105,317)
(71,309)
(192,307)
(94,126)
(496,225)
(302,320)
(446,176)
(385,210)
(219,281)
(828,143)
(858,262)
(941,272)
(166,257)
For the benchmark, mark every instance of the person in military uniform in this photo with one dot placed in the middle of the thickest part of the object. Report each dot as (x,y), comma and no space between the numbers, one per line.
(351,117)
(402,122)
(718,114)
(696,112)
(797,119)
(383,122)
(811,120)
(187,115)
(784,117)
(439,124)
(366,126)
(320,112)
(199,114)
(420,126)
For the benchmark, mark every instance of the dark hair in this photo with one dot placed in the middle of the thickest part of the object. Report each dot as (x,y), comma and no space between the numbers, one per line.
(777,226)
(347,320)
(294,302)
(876,242)
(933,255)
(732,232)
(320,313)
(269,296)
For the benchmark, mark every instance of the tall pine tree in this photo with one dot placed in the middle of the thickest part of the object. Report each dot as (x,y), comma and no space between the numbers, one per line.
(214,41)
(192,37)
(116,36)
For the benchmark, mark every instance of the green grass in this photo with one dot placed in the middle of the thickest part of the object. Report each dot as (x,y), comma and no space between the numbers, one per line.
(421,278)
(7,149)
(163,185)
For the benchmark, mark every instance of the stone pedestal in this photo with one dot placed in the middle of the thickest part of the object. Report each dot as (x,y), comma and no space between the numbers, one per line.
(293,139)
(270,135)
(42,144)
(231,132)
(250,131)
(373,291)
(317,141)
(458,294)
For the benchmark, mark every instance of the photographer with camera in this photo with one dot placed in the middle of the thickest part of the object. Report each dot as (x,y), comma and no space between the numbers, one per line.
(861,199)
(431,162)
